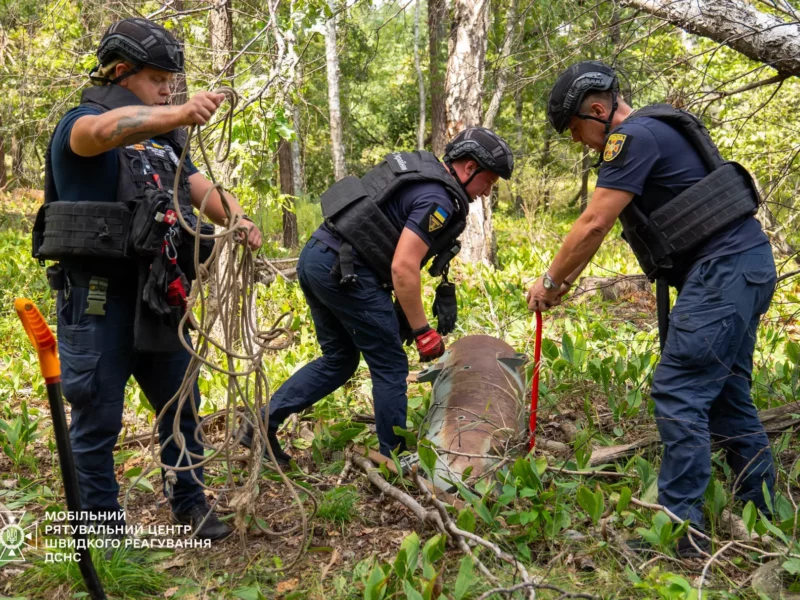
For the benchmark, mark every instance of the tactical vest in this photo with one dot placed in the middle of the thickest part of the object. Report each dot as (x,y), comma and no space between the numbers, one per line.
(695,215)
(353,209)
(95,227)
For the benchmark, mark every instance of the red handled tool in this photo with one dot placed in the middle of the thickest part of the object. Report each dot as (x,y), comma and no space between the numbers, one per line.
(537,363)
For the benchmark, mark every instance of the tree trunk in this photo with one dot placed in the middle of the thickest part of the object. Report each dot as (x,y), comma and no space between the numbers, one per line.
(3,172)
(465,65)
(181,93)
(586,168)
(332,62)
(502,71)
(421,79)
(293,111)
(464,90)
(519,137)
(437,11)
(545,164)
(220,29)
(762,37)
(297,158)
(16,161)
(290,239)
(478,241)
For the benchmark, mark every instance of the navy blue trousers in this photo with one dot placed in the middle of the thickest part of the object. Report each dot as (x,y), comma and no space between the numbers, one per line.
(97,359)
(701,387)
(349,321)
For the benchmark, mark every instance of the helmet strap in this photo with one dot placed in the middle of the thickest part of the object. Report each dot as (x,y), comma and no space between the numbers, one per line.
(127,74)
(606,122)
(463,184)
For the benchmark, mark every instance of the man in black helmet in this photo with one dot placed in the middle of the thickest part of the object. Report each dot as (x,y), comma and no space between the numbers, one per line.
(688,216)
(379,231)
(110,170)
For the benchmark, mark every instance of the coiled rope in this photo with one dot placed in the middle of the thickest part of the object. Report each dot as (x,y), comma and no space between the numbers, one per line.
(243,348)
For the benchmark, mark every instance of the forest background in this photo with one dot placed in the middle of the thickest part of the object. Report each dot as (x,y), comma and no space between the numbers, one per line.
(326,90)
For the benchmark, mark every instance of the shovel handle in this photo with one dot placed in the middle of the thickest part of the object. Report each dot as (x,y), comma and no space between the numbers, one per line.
(42,338)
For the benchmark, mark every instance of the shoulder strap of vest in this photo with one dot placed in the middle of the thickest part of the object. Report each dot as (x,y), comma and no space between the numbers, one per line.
(401,168)
(690,126)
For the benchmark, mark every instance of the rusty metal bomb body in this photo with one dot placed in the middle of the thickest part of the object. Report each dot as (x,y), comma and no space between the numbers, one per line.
(477,406)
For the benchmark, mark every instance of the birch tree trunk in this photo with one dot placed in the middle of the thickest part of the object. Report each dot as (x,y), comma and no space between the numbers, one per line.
(332,63)
(420,79)
(437,11)
(502,70)
(763,37)
(298,180)
(464,92)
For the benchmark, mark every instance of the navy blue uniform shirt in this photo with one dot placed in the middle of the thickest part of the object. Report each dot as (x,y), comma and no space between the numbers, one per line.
(90,178)
(424,207)
(656,163)
(86,177)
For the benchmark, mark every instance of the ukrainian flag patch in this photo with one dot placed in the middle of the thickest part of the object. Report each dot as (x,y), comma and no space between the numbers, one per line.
(437,219)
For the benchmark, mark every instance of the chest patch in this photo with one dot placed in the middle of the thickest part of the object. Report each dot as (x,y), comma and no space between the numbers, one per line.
(615,147)
(437,218)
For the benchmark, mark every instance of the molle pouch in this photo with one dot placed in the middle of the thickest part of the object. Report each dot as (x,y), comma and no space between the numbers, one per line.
(151,220)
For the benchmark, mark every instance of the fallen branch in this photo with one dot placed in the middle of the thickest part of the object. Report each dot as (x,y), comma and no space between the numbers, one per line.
(538,586)
(379,458)
(711,560)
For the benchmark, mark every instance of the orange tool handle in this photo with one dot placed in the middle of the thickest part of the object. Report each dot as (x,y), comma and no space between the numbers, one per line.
(41,337)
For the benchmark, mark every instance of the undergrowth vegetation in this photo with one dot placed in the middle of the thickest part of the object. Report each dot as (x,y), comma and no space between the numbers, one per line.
(568,529)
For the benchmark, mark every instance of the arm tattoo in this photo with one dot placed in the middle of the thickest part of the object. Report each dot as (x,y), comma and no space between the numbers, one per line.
(123,133)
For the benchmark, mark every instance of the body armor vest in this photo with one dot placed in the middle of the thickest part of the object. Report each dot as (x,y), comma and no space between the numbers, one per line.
(95,227)
(692,217)
(352,209)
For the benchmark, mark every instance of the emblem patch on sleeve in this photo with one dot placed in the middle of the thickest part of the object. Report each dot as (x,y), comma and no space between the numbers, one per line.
(615,147)
(437,218)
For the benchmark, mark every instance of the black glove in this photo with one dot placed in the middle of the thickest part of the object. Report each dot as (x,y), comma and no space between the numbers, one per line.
(406,335)
(445,307)
(155,289)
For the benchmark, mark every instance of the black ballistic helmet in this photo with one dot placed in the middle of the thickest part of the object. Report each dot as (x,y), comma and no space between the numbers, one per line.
(485,147)
(573,85)
(143,43)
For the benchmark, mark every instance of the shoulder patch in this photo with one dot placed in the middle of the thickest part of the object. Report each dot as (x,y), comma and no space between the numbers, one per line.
(437,218)
(615,147)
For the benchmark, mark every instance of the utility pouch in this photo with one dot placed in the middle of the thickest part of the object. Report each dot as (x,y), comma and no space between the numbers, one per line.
(151,220)
(56,278)
(152,332)
(66,229)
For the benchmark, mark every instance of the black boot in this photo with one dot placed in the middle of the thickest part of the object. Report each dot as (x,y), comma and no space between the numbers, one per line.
(272,437)
(685,549)
(212,529)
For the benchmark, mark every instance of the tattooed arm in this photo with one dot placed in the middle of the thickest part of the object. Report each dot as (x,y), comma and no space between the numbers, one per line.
(94,134)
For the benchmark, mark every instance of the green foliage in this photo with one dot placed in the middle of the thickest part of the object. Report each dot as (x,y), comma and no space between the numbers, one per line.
(413,574)
(338,505)
(17,434)
(125,574)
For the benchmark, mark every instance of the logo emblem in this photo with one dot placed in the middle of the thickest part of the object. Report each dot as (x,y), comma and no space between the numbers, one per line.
(437,219)
(614,146)
(14,536)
